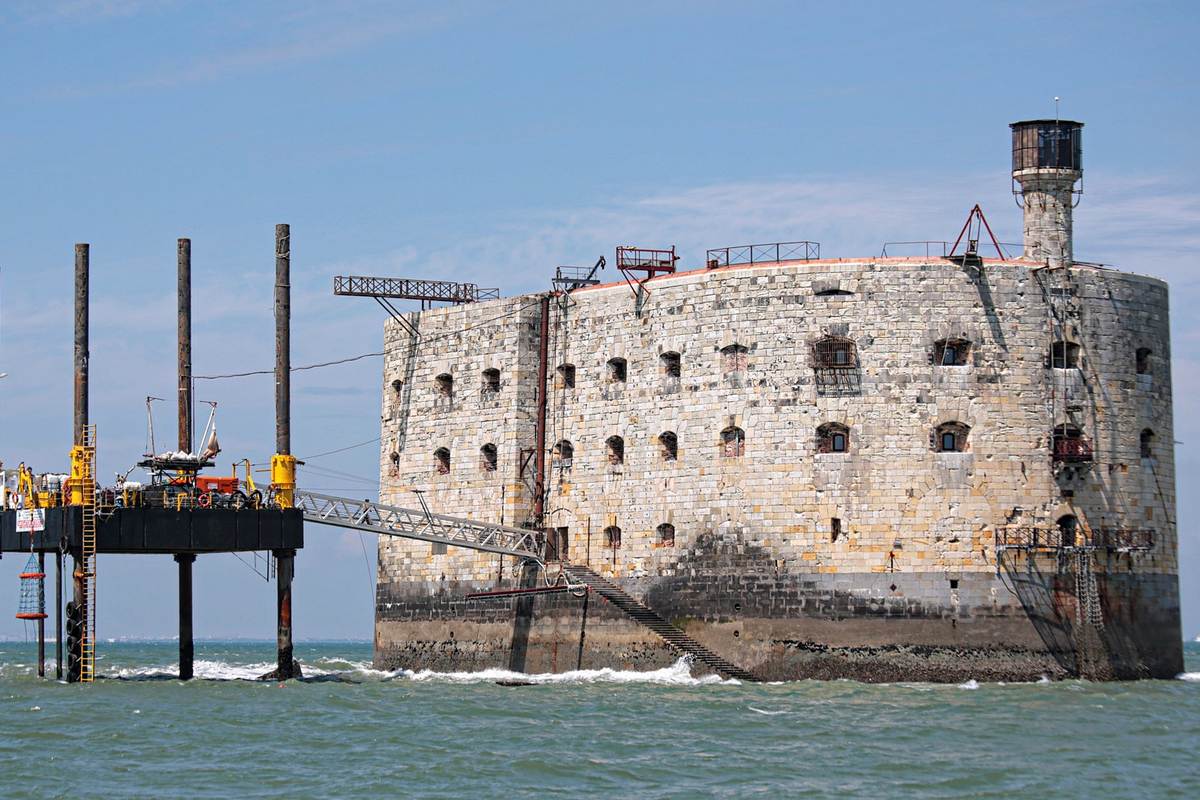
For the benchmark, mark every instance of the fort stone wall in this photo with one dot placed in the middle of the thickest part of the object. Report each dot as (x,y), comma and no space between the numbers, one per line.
(692,458)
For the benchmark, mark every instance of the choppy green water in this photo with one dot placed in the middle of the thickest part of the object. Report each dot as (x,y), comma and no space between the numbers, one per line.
(349,731)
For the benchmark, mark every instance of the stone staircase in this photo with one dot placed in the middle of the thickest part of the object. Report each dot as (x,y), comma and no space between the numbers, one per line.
(644,616)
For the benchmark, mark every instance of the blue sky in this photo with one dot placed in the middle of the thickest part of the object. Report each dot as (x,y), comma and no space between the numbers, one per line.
(491,142)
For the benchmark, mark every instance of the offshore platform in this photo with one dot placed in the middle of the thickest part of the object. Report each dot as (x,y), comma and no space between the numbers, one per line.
(182,512)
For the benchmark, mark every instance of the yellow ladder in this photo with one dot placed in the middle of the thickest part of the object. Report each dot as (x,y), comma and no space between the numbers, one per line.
(87,642)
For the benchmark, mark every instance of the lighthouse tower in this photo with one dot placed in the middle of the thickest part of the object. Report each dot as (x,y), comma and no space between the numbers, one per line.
(1047,162)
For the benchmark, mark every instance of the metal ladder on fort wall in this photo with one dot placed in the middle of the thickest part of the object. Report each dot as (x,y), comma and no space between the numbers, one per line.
(87,638)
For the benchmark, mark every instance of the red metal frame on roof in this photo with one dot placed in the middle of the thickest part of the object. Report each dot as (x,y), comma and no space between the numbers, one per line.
(974,226)
(632,261)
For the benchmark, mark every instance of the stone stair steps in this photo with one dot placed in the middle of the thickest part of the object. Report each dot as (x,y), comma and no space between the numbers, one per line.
(646,617)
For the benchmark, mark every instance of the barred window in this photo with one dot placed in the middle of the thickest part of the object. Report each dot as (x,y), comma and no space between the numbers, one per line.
(1064,355)
(666,534)
(835,352)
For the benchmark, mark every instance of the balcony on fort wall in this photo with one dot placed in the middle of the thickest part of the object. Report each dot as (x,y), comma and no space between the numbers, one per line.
(835,366)
(1069,446)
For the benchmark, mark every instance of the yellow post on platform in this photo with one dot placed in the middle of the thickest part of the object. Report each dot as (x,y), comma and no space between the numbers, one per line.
(79,458)
(283,479)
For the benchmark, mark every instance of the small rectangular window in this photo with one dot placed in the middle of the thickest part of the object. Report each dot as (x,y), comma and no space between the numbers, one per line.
(835,529)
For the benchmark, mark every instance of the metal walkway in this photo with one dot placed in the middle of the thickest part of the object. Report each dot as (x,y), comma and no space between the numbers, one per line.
(407,523)
(644,615)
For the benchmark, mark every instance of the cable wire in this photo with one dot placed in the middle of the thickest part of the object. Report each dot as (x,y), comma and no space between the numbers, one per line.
(361,356)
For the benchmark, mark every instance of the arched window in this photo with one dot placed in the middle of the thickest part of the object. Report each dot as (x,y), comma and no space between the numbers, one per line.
(1068,528)
(734,359)
(616,450)
(1069,445)
(1064,355)
(397,386)
(490,385)
(441,461)
(1147,443)
(1143,360)
(563,455)
(487,457)
(833,437)
(443,388)
(565,376)
(835,352)
(733,442)
(666,535)
(668,446)
(950,437)
(618,370)
(612,537)
(951,352)
(669,365)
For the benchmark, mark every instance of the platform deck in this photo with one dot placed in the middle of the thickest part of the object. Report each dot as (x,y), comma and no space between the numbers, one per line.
(132,531)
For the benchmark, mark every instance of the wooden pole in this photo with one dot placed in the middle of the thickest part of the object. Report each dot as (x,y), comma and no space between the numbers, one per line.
(283,342)
(283,583)
(82,264)
(187,650)
(82,256)
(184,340)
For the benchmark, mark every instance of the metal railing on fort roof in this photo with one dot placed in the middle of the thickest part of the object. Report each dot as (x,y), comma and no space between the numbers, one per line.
(933,248)
(762,253)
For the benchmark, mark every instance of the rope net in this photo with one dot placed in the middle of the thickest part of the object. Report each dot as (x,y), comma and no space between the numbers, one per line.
(32,604)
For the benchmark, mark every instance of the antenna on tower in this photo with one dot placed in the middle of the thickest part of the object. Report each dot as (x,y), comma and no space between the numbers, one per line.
(1056,99)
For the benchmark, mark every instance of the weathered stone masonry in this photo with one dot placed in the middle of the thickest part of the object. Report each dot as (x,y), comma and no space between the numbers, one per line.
(877,562)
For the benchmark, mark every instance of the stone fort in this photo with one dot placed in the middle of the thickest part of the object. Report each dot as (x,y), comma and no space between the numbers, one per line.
(897,468)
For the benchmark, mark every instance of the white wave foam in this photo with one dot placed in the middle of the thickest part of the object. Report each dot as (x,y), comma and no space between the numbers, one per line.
(1188,676)
(971,684)
(765,712)
(678,674)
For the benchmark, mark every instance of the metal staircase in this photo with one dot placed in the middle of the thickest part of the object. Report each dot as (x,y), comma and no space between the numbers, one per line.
(87,578)
(407,523)
(646,617)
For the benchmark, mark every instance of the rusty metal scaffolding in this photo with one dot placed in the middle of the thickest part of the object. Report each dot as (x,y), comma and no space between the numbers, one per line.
(411,289)
(1054,538)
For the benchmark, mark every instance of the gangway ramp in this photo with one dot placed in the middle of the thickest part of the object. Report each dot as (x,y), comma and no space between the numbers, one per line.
(408,523)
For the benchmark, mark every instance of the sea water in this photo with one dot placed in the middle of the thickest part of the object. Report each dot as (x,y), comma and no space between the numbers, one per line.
(348,730)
